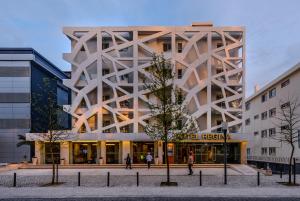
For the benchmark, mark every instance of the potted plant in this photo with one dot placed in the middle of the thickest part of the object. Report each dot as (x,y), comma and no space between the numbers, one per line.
(62,161)
(34,160)
(100,160)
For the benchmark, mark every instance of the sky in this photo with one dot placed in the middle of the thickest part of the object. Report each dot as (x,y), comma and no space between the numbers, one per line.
(272,26)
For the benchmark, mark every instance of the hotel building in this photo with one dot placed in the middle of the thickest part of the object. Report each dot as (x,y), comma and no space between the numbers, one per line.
(261,110)
(109,102)
(21,73)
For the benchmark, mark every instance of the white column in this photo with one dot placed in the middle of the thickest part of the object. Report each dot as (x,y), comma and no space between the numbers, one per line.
(125,150)
(39,152)
(64,151)
(103,151)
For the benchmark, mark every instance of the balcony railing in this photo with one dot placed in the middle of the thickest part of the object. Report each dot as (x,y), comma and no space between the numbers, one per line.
(271,159)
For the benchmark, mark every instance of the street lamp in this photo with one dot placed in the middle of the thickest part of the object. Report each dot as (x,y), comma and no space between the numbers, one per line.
(224,128)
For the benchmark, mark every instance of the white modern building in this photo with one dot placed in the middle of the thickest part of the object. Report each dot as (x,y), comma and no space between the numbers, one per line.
(109,107)
(260,121)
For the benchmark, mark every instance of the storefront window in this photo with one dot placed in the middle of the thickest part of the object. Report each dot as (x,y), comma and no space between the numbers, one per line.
(55,150)
(112,152)
(140,150)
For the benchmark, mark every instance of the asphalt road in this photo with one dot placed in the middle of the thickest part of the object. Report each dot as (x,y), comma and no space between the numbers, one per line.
(155,199)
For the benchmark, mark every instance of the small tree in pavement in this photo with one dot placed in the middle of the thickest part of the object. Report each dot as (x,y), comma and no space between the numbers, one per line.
(169,119)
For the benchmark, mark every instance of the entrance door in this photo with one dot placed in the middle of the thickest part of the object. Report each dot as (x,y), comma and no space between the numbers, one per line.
(112,152)
(208,154)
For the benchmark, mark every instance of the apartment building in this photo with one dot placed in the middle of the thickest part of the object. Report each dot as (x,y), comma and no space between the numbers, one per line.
(261,109)
(109,102)
(21,72)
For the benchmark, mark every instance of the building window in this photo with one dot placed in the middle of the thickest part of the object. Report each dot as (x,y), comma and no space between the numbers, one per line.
(285,83)
(264,98)
(247,122)
(299,138)
(272,151)
(166,47)
(272,132)
(264,151)
(272,112)
(179,73)
(105,71)
(255,133)
(105,46)
(105,98)
(179,46)
(264,115)
(247,106)
(285,127)
(285,105)
(272,93)
(256,116)
(264,134)
(248,151)
(219,45)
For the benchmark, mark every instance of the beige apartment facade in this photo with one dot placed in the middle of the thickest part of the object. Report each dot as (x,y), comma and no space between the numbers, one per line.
(260,121)
(109,102)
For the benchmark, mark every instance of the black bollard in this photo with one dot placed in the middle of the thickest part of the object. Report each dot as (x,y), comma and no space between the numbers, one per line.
(108,178)
(57,173)
(137,179)
(258,178)
(294,170)
(281,173)
(200,177)
(15,179)
(78,178)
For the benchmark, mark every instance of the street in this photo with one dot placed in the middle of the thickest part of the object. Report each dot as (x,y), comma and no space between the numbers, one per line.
(158,199)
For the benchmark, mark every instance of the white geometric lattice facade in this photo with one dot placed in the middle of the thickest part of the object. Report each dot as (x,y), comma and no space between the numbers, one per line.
(108,69)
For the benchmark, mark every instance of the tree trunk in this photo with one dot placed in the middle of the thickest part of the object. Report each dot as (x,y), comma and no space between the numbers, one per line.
(167,161)
(53,165)
(291,164)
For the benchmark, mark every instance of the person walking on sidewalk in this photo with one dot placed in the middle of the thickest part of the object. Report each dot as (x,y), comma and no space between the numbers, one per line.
(128,161)
(190,162)
(149,159)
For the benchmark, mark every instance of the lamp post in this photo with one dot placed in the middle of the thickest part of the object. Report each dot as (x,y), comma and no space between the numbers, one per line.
(224,128)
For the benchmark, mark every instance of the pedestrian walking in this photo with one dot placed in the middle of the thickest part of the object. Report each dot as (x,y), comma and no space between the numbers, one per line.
(149,159)
(128,161)
(190,162)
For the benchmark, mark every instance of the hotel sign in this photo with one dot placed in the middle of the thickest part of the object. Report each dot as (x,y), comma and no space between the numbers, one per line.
(206,136)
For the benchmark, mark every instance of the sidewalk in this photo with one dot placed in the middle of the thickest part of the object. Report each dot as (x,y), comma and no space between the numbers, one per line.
(64,192)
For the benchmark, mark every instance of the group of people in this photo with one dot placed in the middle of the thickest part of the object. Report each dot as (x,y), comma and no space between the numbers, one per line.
(149,159)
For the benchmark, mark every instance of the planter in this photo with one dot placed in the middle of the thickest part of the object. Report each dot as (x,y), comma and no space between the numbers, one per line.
(156,161)
(101,161)
(34,161)
(62,161)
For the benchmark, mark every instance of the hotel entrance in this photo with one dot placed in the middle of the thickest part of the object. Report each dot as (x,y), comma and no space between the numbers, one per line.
(207,152)
(112,152)
(140,150)
(84,153)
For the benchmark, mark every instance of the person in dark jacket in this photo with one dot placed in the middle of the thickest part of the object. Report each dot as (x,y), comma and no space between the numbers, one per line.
(128,161)
(190,162)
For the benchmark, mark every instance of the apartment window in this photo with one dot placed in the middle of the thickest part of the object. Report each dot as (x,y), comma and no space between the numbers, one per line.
(264,98)
(272,93)
(105,46)
(285,105)
(247,122)
(272,132)
(105,71)
(179,73)
(285,83)
(166,47)
(256,116)
(179,46)
(264,115)
(264,134)
(272,151)
(255,133)
(264,151)
(248,106)
(272,112)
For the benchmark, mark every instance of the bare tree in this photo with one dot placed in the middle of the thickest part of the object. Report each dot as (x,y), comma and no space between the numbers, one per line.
(55,119)
(169,120)
(288,122)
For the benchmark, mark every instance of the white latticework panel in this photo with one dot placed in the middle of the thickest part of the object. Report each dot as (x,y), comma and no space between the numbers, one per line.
(108,69)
